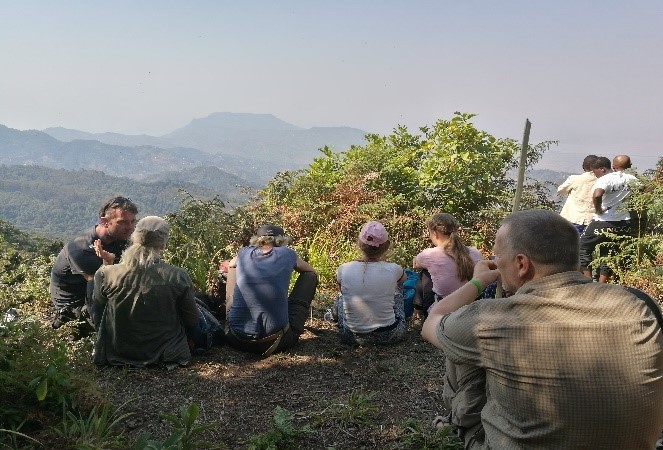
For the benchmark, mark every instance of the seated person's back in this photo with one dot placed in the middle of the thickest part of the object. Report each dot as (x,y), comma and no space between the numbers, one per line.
(261,316)
(260,298)
(370,307)
(567,363)
(449,264)
(145,304)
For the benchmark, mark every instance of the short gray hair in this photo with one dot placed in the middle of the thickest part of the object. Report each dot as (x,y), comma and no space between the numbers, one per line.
(544,236)
(275,241)
(149,237)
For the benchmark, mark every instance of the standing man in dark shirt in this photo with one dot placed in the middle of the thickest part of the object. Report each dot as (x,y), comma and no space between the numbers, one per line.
(80,258)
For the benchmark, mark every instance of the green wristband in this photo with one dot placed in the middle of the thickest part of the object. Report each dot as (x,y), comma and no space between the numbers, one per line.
(477,285)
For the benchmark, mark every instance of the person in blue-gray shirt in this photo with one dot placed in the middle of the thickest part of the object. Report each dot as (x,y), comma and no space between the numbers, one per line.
(261,316)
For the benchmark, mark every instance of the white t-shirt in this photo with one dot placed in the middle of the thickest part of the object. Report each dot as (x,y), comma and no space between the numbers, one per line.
(368,290)
(616,187)
(442,268)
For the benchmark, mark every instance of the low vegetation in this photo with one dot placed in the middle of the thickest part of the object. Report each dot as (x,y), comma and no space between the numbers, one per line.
(321,394)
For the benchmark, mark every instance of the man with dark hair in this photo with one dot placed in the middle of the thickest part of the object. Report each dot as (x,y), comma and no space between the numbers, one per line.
(609,196)
(578,208)
(73,272)
(562,363)
(261,317)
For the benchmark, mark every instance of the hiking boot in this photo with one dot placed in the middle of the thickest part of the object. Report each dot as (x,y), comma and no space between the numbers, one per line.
(59,320)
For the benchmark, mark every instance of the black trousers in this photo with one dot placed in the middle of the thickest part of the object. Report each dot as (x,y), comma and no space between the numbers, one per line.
(424,296)
(595,234)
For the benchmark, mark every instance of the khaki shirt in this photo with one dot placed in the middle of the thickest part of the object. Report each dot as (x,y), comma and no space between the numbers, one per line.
(568,364)
(579,206)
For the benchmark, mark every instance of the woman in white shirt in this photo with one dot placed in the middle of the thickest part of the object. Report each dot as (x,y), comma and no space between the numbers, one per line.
(369,308)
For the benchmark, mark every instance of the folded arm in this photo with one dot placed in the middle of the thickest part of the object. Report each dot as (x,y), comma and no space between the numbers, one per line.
(485,273)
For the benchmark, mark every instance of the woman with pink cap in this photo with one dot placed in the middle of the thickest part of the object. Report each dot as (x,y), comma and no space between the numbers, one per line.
(369,308)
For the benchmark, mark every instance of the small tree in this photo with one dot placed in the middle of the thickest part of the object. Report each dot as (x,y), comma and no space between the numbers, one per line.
(202,234)
(639,261)
(401,180)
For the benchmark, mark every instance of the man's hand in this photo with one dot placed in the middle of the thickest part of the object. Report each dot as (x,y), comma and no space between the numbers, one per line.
(485,271)
(107,257)
(597,199)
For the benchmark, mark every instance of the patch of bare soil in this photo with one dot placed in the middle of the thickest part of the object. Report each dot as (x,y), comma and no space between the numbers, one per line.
(240,391)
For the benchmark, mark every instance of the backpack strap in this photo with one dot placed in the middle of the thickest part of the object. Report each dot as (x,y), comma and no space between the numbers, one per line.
(650,302)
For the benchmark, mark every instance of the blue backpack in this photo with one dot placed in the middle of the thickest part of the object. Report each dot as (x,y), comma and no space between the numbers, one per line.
(409,289)
(204,335)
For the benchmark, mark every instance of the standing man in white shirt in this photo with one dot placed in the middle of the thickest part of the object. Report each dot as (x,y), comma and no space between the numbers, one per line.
(579,206)
(611,190)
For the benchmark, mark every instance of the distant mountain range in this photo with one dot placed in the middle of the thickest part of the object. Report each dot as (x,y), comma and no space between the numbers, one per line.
(253,147)
(260,136)
(52,181)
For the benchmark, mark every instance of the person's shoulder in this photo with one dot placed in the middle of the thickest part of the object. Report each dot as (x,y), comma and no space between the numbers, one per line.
(285,251)
(87,235)
(348,265)
(173,271)
(605,180)
(612,176)
(432,253)
(81,242)
(112,270)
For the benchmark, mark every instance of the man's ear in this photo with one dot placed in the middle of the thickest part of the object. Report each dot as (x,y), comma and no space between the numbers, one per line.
(524,266)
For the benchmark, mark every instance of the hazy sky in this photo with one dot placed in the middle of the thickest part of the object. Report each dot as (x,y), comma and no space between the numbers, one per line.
(586,73)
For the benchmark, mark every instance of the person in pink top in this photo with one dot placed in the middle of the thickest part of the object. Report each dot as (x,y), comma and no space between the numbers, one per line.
(450,263)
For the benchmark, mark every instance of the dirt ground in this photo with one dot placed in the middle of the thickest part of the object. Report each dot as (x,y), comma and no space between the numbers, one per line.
(316,381)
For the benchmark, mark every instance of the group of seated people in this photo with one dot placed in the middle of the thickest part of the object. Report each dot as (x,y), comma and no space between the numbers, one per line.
(145,311)
(560,363)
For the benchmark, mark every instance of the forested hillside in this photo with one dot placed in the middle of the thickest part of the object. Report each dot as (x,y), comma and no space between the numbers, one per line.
(59,203)
(35,148)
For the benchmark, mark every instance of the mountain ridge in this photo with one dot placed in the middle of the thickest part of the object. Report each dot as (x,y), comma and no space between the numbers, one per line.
(36,148)
(259,136)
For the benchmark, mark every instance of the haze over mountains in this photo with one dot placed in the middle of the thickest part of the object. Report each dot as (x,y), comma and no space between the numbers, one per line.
(258,138)
(222,154)
(250,146)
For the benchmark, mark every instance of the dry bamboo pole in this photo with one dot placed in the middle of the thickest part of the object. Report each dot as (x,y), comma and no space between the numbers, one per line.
(521,167)
(519,185)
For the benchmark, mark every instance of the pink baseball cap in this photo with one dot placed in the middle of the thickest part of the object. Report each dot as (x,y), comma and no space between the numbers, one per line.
(374,234)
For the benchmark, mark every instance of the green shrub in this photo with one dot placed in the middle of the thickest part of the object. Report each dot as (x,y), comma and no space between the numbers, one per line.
(203,233)
(97,429)
(40,371)
(400,180)
(184,435)
(284,434)
(359,410)
(416,436)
